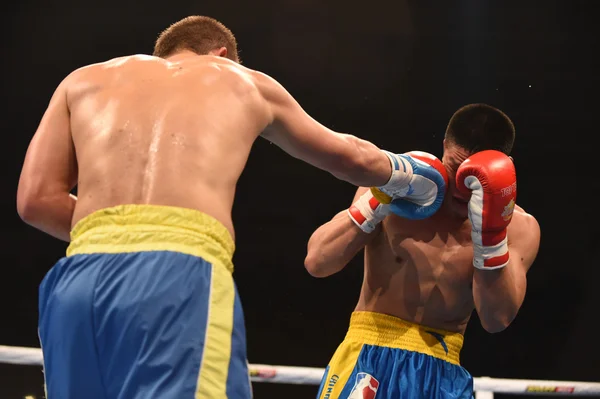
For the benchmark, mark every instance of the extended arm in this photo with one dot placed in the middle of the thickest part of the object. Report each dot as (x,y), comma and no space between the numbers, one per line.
(334,244)
(347,157)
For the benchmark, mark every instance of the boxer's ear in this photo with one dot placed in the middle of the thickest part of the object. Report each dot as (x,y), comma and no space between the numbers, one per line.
(221,52)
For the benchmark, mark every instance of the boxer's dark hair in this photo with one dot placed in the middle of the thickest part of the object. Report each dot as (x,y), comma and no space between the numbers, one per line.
(196,33)
(478,127)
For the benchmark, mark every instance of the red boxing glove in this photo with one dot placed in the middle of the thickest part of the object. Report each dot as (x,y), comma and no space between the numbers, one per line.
(367,212)
(490,178)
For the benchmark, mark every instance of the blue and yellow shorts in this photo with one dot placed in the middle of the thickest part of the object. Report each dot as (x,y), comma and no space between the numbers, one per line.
(144,306)
(383,357)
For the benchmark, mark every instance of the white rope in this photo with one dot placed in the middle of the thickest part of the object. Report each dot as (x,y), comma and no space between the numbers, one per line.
(312,376)
(21,355)
(286,374)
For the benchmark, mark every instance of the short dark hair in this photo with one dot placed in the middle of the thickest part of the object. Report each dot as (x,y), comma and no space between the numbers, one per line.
(196,33)
(478,127)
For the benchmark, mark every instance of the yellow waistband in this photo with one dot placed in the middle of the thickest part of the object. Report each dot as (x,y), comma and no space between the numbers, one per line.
(136,228)
(382,330)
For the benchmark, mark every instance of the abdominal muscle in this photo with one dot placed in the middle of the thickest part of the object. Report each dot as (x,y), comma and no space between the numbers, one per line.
(420,273)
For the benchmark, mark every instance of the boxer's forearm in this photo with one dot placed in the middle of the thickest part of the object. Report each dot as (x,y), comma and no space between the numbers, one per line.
(361,163)
(333,245)
(498,295)
(50,214)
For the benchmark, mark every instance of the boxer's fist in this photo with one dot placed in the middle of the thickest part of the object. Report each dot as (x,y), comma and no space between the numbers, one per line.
(367,212)
(417,191)
(490,178)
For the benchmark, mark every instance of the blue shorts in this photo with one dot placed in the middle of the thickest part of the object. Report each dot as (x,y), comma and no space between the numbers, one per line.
(144,306)
(383,357)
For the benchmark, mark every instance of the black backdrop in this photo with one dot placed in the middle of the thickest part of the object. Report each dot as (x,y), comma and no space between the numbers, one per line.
(392,72)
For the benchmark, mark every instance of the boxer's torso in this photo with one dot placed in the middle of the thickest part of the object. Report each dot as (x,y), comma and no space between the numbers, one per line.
(421,271)
(151,131)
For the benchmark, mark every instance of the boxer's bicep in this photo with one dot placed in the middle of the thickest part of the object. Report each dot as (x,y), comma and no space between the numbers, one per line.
(523,247)
(524,241)
(50,164)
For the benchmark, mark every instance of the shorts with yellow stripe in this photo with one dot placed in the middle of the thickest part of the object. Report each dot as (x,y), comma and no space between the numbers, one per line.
(384,357)
(144,306)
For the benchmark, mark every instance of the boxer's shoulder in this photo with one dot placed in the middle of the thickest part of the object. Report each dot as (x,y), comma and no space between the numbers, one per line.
(521,216)
(97,71)
(523,225)
(112,63)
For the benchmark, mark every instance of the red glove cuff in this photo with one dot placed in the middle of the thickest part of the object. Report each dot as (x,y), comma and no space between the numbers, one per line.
(367,212)
(490,257)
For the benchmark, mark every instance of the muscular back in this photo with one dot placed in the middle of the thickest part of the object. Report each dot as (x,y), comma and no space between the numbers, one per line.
(173,131)
(421,271)
(147,130)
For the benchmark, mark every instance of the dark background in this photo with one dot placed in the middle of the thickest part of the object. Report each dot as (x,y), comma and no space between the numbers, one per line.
(389,71)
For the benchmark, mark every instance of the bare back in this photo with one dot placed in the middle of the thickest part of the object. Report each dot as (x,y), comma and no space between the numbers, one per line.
(150,131)
(421,270)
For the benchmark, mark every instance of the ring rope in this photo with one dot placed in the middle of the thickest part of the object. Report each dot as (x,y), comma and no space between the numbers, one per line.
(313,375)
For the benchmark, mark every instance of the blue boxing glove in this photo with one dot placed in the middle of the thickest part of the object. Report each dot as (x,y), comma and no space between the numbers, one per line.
(415,191)
(417,186)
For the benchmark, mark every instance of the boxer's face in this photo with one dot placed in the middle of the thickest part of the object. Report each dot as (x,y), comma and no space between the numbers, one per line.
(455,201)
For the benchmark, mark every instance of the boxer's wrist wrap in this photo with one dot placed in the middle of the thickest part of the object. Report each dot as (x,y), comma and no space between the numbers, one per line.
(381,196)
(489,257)
(398,184)
(367,212)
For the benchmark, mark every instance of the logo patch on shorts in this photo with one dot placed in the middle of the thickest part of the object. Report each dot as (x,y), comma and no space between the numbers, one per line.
(365,387)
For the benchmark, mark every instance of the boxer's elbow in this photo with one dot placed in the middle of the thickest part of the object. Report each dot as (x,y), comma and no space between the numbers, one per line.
(313,266)
(27,204)
(493,328)
(33,203)
(32,210)
(496,324)
(317,265)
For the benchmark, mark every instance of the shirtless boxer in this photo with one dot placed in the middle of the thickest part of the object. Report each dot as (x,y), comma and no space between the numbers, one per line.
(144,304)
(423,278)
